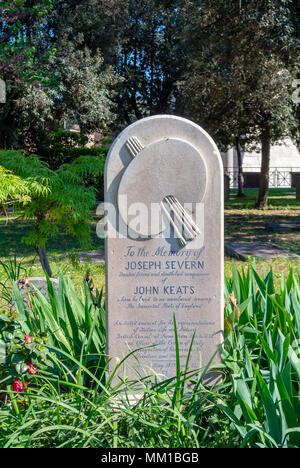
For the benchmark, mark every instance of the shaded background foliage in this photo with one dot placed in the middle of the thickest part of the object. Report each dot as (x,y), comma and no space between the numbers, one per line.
(102,64)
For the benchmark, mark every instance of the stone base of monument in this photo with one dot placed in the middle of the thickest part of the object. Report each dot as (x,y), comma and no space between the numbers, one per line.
(284,227)
(226,187)
(297,188)
(132,397)
(92,257)
(29,285)
(243,250)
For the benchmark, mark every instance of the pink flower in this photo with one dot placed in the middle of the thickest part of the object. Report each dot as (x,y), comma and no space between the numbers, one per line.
(32,370)
(28,339)
(18,386)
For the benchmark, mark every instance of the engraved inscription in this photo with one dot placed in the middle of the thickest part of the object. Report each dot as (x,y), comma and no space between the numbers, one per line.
(171,286)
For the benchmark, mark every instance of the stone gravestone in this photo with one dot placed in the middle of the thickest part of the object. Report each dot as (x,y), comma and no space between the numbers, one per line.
(226,187)
(27,287)
(297,181)
(2,92)
(164,246)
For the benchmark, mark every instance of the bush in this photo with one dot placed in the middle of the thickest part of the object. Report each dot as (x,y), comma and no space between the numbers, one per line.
(22,356)
(64,147)
(57,156)
(66,139)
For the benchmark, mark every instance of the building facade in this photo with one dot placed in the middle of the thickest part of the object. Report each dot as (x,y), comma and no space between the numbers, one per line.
(285,160)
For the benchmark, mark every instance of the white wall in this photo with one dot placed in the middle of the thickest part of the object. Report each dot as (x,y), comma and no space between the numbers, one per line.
(285,158)
(282,156)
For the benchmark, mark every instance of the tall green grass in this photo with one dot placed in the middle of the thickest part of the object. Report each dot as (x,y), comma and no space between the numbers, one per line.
(256,405)
(262,354)
(12,270)
(74,325)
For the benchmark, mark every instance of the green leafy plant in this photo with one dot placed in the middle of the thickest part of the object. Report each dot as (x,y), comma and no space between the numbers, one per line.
(11,189)
(65,146)
(13,270)
(262,353)
(54,198)
(18,56)
(74,325)
(109,413)
(22,355)
(79,403)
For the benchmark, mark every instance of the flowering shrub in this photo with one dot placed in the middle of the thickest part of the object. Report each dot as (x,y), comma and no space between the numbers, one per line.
(22,357)
(18,386)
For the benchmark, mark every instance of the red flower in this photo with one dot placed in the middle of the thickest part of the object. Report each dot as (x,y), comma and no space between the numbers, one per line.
(28,339)
(18,386)
(32,370)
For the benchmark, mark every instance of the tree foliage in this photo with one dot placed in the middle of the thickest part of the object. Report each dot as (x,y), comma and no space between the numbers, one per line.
(142,40)
(53,198)
(12,188)
(20,20)
(151,58)
(71,85)
(229,65)
(239,74)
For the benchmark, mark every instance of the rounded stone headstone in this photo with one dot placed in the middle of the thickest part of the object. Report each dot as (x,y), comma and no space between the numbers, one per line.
(157,172)
(152,274)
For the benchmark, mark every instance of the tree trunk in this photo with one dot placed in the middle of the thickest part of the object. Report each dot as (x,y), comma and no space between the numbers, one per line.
(262,201)
(137,112)
(44,261)
(240,168)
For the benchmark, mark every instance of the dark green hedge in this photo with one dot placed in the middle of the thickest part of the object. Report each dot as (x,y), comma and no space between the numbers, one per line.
(64,147)
(58,155)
